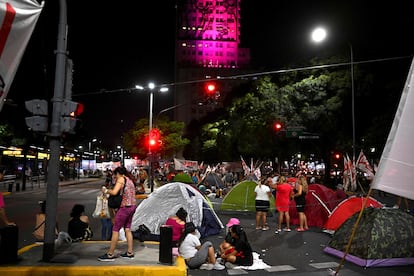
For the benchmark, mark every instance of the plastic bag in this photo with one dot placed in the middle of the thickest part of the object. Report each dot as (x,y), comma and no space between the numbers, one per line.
(101,208)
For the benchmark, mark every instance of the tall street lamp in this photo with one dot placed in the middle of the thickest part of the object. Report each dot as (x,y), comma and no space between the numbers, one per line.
(318,35)
(150,89)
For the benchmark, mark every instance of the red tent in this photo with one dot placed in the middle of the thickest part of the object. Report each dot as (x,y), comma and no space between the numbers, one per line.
(346,209)
(320,201)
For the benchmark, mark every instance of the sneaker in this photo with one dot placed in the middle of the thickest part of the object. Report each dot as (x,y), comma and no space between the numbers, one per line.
(106,258)
(207,266)
(287,229)
(127,255)
(265,228)
(300,229)
(229,265)
(218,266)
(219,260)
(278,231)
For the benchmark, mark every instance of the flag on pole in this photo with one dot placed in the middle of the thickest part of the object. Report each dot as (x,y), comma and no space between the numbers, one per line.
(346,174)
(257,172)
(352,173)
(18,18)
(363,164)
(245,167)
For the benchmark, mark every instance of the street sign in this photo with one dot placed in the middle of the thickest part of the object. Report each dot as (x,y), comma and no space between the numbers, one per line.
(309,137)
(294,132)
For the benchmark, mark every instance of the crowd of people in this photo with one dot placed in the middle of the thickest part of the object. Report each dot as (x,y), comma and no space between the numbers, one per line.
(234,250)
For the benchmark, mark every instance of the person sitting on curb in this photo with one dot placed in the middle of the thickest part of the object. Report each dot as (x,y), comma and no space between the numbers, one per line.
(242,255)
(78,225)
(177,223)
(227,245)
(195,254)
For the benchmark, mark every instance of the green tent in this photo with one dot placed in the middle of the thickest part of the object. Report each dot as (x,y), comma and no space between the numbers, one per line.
(242,198)
(384,237)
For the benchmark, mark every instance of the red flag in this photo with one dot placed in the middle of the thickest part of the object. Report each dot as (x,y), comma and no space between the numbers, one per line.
(245,167)
(363,164)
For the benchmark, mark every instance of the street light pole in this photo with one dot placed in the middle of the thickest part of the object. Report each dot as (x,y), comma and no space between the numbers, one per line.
(151,87)
(353,100)
(318,35)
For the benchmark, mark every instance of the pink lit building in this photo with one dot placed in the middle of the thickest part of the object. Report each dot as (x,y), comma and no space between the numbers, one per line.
(208,39)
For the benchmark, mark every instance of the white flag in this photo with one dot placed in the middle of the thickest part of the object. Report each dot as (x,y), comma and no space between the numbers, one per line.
(18,19)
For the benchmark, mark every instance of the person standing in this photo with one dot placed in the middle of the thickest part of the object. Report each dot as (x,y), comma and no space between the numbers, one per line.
(123,217)
(283,194)
(263,195)
(300,199)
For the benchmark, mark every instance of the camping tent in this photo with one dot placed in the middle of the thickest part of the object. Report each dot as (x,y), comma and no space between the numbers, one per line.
(384,237)
(320,201)
(242,198)
(166,200)
(347,208)
(212,179)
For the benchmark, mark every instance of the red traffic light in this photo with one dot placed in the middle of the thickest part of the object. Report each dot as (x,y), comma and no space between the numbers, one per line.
(210,88)
(278,126)
(337,156)
(154,139)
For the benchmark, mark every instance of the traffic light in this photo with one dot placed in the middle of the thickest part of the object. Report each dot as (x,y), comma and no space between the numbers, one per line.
(337,156)
(69,113)
(154,140)
(278,126)
(38,122)
(210,89)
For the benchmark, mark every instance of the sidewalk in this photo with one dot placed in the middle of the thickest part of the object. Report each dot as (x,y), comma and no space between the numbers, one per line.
(82,259)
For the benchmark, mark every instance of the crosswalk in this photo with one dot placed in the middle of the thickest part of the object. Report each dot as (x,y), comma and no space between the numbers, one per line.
(62,191)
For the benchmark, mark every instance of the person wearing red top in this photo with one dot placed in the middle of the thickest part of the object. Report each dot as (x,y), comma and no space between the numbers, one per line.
(177,223)
(284,193)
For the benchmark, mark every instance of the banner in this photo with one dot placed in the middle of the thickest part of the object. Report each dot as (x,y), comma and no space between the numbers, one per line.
(185,165)
(18,19)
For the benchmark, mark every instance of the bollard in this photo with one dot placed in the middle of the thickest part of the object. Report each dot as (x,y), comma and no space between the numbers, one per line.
(165,244)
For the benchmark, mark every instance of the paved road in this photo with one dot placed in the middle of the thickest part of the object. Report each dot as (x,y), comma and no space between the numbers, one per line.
(290,253)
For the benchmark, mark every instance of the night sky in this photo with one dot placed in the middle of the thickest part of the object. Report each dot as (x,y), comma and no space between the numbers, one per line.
(118,44)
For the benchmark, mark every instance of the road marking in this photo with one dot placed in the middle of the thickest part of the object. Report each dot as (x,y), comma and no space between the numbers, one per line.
(324,265)
(236,271)
(280,268)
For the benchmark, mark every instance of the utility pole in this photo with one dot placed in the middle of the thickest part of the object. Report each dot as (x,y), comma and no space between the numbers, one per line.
(54,136)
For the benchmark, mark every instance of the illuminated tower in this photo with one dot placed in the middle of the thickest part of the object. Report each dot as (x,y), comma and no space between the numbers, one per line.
(208,47)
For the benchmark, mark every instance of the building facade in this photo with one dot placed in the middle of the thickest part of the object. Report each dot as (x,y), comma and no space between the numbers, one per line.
(207,51)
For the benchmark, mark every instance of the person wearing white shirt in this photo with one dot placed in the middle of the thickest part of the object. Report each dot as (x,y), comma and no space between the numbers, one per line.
(263,195)
(195,254)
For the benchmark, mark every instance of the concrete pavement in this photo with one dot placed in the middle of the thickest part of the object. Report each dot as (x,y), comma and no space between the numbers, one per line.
(81,259)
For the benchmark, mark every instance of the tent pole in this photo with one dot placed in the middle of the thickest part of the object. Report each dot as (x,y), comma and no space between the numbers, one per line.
(355,227)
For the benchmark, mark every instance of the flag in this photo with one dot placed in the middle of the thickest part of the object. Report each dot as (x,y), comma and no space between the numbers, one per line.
(18,19)
(346,174)
(352,172)
(257,172)
(245,167)
(363,164)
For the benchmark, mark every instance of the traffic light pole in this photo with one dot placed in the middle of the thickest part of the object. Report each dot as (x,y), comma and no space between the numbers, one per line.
(54,137)
(150,180)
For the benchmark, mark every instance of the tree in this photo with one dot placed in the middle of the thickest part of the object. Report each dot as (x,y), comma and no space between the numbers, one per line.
(171,137)
(295,99)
